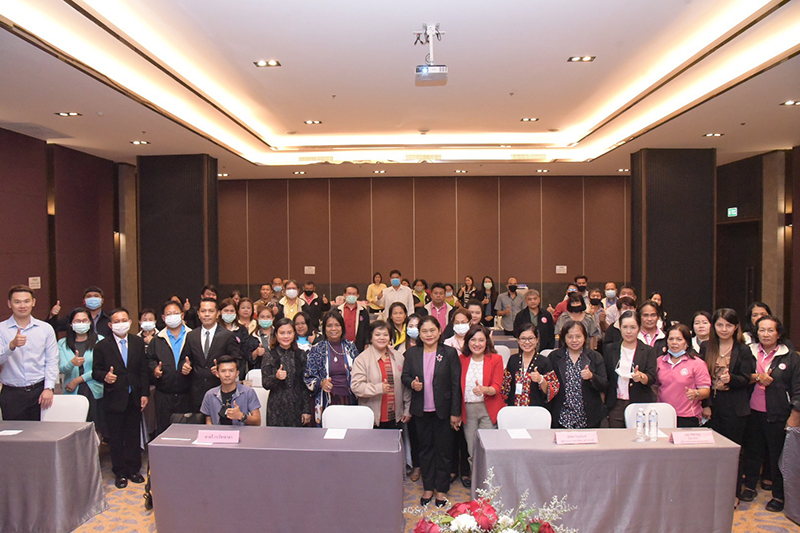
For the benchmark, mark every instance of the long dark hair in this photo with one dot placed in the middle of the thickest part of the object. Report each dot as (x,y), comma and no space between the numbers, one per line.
(686,333)
(492,293)
(712,345)
(474,330)
(276,326)
(393,331)
(748,326)
(91,335)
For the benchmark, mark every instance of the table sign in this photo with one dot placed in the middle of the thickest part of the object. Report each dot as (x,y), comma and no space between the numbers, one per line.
(9,432)
(576,437)
(519,433)
(692,437)
(335,433)
(206,436)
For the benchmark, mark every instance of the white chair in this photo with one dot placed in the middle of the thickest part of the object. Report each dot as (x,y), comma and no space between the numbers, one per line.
(263,396)
(505,353)
(514,417)
(255,376)
(547,352)
(667,416)
(67,408)
(348,417)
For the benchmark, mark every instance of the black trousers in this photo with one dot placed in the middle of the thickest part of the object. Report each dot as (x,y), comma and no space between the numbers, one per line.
(732,428)
(123,438)
(21,403)
(459,464)
(435,447)
(688,422)
(168,403)
(413,440)
(763,439)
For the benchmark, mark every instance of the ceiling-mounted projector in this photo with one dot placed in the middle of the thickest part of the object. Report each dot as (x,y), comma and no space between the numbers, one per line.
(431,74)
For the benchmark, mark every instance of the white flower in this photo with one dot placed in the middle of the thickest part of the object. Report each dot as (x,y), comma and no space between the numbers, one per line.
(507,531)
(464,523)
(505,521)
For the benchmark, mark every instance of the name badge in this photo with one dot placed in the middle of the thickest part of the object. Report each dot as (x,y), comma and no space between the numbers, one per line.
(217,437)
(576,437)
(692,437)
(518,389)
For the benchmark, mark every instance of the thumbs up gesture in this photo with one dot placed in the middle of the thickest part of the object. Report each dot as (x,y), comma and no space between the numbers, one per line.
(18,340)
(325,299)
(234,413)
(281,373)
(586,373)
(416,384)
(725,377)
(77,360)
(477,390)
(386,387)
(56,308)
(535,376)
(159,370)
(637,376)
(186,367)
(214,369)
(766,379)
(111,377)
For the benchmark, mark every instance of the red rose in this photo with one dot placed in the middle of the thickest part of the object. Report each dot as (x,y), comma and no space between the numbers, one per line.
(426,526)
(546,528)
(485,515)
(459,509)
(539,527)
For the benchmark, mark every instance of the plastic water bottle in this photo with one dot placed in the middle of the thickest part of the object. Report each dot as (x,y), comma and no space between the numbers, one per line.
(652,425)
(640,426)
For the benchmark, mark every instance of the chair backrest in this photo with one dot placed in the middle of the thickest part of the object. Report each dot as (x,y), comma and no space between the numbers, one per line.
(514,417)
(546,352)
(505,353)
(255,376)
(67,408)
(667,416)
(263,396)
(348,417)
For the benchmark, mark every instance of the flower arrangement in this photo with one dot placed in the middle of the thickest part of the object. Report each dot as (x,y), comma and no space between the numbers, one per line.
(487,514)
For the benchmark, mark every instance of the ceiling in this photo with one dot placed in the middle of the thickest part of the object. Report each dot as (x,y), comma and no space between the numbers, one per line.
(181,75)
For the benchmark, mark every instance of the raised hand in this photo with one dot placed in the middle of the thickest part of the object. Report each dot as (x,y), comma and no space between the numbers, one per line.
(586,373)
(111,377)
(77,360)
(416,384)
(766,379)
(186,367)
(56,308)
(535,376)
(19,340)
(214,369)
(234,413)
(386,387)
(637,376)
(725,377)
(187,305)
(159,370)
(281,374)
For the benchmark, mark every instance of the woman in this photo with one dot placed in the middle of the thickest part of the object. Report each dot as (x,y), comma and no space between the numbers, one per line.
(227,319)
(701,328)
(582,375)
(461,324)
(534,314)
(755,311)
(460,464)
(631,370)
(450,296)
(481,383)
(329,366)
(488,297)
(656,298)
(682,379)
(468,291)
(147,325)
(75,358)
(290,304)
(264,335)
(576,312)
(236,296)
(305,336)
(529,379)
(433,373)
(421,296)
(376,379)
(398,316)
(774,405)
(289,403)
(244,315)
(374,291)
(412,339)
(650,332)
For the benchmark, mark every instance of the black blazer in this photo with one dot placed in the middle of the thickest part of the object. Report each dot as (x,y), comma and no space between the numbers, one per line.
(223,343)
(103,326)
(446,381)
(134,374)
(734,402)
(595,409)
(613,335)
(537,397)
(362,327)
(546,327)
(783,394)
(172,380)
(645,358)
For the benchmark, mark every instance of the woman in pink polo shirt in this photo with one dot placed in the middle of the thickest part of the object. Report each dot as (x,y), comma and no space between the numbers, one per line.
(683,380)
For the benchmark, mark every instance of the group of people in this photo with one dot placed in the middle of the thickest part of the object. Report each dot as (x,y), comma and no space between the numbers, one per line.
(423,360)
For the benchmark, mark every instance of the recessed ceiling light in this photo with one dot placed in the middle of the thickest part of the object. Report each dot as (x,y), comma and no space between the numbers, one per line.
(528,119)
(222,175)
(791,102)
(68,114)
(713,134)
(310,122)
(379,172)
(267,63)
(140,142)
(461,171)
(581,59)
(542,170)
(623,170)
(505,146)
(298,172)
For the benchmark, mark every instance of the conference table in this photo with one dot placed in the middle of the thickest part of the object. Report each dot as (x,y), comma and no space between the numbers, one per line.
(50,477)
(790,459)
(617,484)
(277,479)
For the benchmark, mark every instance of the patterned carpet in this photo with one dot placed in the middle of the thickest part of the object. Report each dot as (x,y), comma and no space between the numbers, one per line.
(126,512)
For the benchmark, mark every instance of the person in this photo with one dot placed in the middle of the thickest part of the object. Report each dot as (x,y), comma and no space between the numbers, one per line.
(412,339)
(450,296)
(461,325)
(612,313)
(396,292)
(374,291)
(662,316)
(263,335)
(529,379)
(329,368)
(682,378)
(650,332)
(576,311)
(481,384)
(631,370)
(190,314)
(398,317)
(755,311)
(433,373)
(508,305)
(436,305)
(610,292)
(93,300)
(246,343)
(244,314)
(613,334)
(290,403)
(306,337)
(120,363)
(236,296)
(582,282)
(277,288)
(231,403)
(701,328)
(460,465)
(290,304)
(267,297)
(468,291)
(595,307)
(582,375)
(28,357)
(421,296)
(356,318)
(488,298)
(561,306)
(314,305)
(147,325)
(76,360)
(534,314)
(167,357)
(205,345)
(375,380)
(406,283)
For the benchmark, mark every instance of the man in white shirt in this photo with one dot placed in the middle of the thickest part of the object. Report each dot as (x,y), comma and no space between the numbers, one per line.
(397,292)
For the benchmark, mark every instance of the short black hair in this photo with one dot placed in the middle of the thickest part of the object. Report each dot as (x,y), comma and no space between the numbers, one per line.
(168,303)
(119,310)
(582,276)
(93,288)
(214,300)
(228,359)
(378,324)
(146,310)
(352,286)
(209,288)
(438,285)
(19,288)
(393,272)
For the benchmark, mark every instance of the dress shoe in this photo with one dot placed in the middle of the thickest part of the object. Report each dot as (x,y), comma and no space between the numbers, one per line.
(774,505)
(748,495)
(136,478)
(442,503)
(467,482)
(425,501)
(415,473)
(121,482)
(766,484)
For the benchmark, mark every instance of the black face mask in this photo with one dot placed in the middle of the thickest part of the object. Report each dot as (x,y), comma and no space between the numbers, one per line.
(581,288)
(512,288)
(308,293)
(594,301)
(575,308)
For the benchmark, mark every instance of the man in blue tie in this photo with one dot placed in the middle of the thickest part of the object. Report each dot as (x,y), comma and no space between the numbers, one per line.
(119,362)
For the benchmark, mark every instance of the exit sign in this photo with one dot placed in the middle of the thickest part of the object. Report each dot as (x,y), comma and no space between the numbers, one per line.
(733,212)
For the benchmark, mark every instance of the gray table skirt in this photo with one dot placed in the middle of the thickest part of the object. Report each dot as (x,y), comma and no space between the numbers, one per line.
(50,479)
(790,467)
(618,484)
(278,479)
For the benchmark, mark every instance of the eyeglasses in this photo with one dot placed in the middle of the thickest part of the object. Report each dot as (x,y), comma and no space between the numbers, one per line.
(527,339)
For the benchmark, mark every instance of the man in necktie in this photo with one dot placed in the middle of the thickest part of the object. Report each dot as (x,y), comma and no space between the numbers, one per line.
(120,363)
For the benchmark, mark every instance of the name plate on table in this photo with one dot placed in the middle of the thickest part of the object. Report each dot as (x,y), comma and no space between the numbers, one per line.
(206,436)
(692,437)
(576,437)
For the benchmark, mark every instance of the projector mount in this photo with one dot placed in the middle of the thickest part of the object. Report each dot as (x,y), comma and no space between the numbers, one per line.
(429,31)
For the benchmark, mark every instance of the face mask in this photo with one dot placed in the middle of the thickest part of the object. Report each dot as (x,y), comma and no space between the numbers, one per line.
(308,293)
(581,288)
(351,298)
(575,309)
(512,288)
(413,333)
(173,321)
(419,289)
(291,293)
(121,329)
(611,294)
(265,324)
(148,325)
(676,354)
(277,288)
(448,294)
(461,329)
(572,290)
(395,282)
(93,303)
(228,317)
(487,285)
(81,327)
(594,301)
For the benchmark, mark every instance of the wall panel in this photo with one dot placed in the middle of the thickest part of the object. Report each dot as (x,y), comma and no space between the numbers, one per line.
(393,226)
(435,229)
(477,228)
(308,228)
(351,246)
(520,251)
(267,239)
(233,230)
(562,228)
(605,242)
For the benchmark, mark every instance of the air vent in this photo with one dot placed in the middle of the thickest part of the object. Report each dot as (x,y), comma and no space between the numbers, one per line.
(315,159)
(528,157)
(423,157)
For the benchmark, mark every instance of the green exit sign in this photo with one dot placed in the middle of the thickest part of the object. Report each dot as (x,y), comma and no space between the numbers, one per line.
(733,212)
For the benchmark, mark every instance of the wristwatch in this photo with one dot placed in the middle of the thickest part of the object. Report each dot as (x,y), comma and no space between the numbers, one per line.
(244,417)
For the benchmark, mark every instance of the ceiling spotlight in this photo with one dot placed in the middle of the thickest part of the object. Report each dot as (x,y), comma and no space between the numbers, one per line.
(791,102)
(542,170)
(222,175)
(310,122)
(528,119)
(461,171)
(713,134)
(140,142)
(581,59)
(505,146)
(623,170)
(379,172)
(298,172)
(68,114)
(267,63)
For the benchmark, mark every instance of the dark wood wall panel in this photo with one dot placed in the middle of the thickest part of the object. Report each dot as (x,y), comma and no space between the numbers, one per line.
(562,228)
(308,228)
(739,185)
(477,229)
(233,230)
(268,243)
(607,208)
(351,249)
(393,226)
(435,229)
(520,249)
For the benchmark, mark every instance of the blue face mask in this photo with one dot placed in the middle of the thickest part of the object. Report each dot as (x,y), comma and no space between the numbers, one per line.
(93,303)
(413,332)
(678,354)
(266,324)
(277,288)
(395,282)
(351,298)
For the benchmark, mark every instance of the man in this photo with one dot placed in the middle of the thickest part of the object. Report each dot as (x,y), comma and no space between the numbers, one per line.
(562,305)
(534,314)
(612,313)
(206,344)
(315,306)
(396,292)
(170,367)
(277,288)
(28,357)
(437,307)
(610,295)
(120,363)
(508,305)
(356,318)
(93,299)
(231,404)
(190,317)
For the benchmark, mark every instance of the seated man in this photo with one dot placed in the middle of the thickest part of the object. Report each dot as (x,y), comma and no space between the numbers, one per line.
(231,404)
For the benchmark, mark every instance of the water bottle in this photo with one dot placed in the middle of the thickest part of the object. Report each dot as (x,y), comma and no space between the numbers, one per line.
(652,425)
(640,426)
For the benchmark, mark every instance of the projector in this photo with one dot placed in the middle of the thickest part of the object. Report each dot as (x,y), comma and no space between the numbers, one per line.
(431,75)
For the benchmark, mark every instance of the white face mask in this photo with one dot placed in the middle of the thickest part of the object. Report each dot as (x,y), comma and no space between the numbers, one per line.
(173,321)
(461,329)
(121,329)
(291,293)
(448,294)
(487,285)
(611,293)
(148,325)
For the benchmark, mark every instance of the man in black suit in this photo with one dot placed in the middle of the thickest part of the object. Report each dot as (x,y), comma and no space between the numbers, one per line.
(93,299)
(205,345)
(191,317)
(119,362)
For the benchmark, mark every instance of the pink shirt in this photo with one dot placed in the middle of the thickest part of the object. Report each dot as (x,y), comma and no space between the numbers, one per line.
(440,313)
(674,379)
(758,400)
(428,364)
